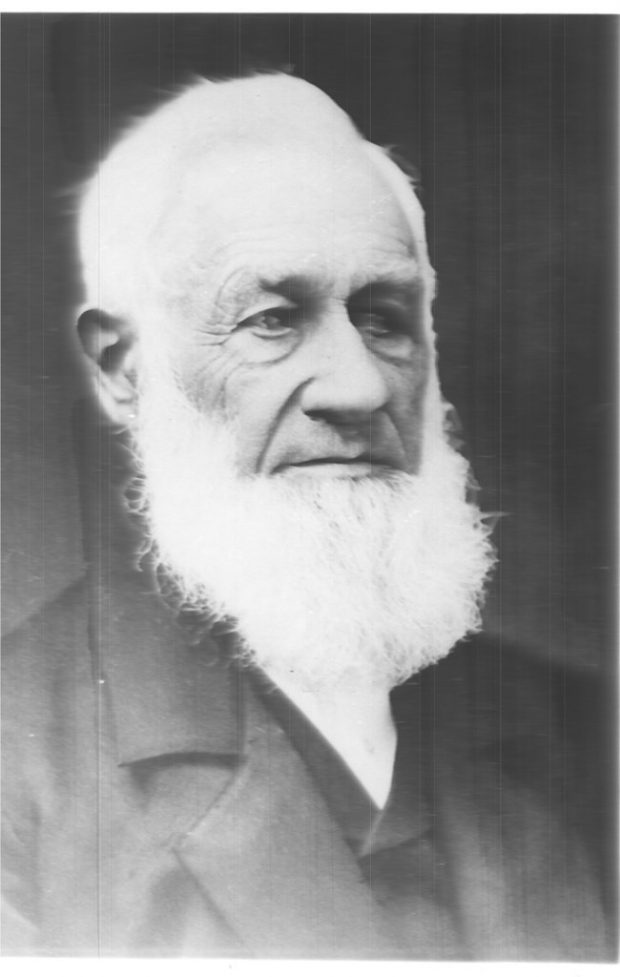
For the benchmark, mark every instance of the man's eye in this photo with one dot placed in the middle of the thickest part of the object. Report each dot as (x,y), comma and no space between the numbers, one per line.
(270,324)
(373,324)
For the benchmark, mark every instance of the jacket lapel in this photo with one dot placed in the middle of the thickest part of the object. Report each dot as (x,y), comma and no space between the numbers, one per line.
(270,829)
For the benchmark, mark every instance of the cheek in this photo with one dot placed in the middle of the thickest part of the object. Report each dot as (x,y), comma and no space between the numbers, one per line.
(407,409)
(247,400)
(409,383)
(213,378)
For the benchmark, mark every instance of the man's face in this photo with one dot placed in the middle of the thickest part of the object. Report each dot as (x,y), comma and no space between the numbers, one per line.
(297,317)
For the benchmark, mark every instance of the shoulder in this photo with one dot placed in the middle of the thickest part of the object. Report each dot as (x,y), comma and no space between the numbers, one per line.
(504,690)
(45,655)
(55,624)
(505,711)
(46,700)
(47,697)
(516,766)
(510,724)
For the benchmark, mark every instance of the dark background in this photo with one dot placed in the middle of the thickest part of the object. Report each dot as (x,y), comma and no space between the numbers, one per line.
(511,124)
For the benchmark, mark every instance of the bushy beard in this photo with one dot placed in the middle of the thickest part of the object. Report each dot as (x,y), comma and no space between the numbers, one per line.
(324,580)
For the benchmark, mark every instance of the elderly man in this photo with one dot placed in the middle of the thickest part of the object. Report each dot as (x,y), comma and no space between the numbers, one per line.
(237,746)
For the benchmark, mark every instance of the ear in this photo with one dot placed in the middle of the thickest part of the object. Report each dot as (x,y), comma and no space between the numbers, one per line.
(110,345)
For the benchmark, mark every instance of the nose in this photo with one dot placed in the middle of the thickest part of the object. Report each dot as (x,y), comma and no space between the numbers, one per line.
(347,383)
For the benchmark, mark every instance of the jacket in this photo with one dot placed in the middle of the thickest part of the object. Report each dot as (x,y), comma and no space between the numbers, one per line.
(153,806)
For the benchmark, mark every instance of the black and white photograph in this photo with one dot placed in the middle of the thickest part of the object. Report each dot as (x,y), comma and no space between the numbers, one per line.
(309,444)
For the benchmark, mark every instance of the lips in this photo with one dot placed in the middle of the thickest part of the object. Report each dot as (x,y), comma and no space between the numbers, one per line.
(361,463)
(333,460)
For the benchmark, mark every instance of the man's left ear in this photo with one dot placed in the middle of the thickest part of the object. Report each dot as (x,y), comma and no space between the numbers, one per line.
(110,345)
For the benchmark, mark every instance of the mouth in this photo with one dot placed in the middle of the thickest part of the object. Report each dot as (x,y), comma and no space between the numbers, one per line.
(361,466)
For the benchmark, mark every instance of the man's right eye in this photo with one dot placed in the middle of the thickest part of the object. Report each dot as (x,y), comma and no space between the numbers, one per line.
(269,324)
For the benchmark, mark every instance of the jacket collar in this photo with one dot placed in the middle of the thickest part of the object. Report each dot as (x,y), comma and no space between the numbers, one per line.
(167,696)
(272,859)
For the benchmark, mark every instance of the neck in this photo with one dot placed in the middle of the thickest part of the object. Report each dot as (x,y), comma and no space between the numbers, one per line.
(356,719)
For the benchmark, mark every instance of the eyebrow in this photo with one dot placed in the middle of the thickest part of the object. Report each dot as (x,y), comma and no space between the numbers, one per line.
(288,286)
(402,277)
(405,286)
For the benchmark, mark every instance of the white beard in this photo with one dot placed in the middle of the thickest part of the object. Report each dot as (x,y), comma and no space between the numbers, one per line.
(324,580)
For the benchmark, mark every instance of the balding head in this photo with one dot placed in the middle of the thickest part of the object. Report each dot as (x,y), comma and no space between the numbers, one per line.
(150,177)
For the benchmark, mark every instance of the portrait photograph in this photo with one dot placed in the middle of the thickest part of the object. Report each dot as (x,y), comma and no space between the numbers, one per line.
(309,444)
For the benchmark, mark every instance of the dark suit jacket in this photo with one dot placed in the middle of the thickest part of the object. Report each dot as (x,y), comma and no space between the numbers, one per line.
(152,805)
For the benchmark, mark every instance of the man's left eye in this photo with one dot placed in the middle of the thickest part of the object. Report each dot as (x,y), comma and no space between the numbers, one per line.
(269,324)
(373,324)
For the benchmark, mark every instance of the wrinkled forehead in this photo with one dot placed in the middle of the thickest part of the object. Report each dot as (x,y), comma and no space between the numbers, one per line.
(294,198)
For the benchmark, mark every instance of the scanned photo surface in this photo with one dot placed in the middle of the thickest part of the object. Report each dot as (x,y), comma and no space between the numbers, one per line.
(309,341)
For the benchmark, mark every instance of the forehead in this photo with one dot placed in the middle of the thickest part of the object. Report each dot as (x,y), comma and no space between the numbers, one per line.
(255,216)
